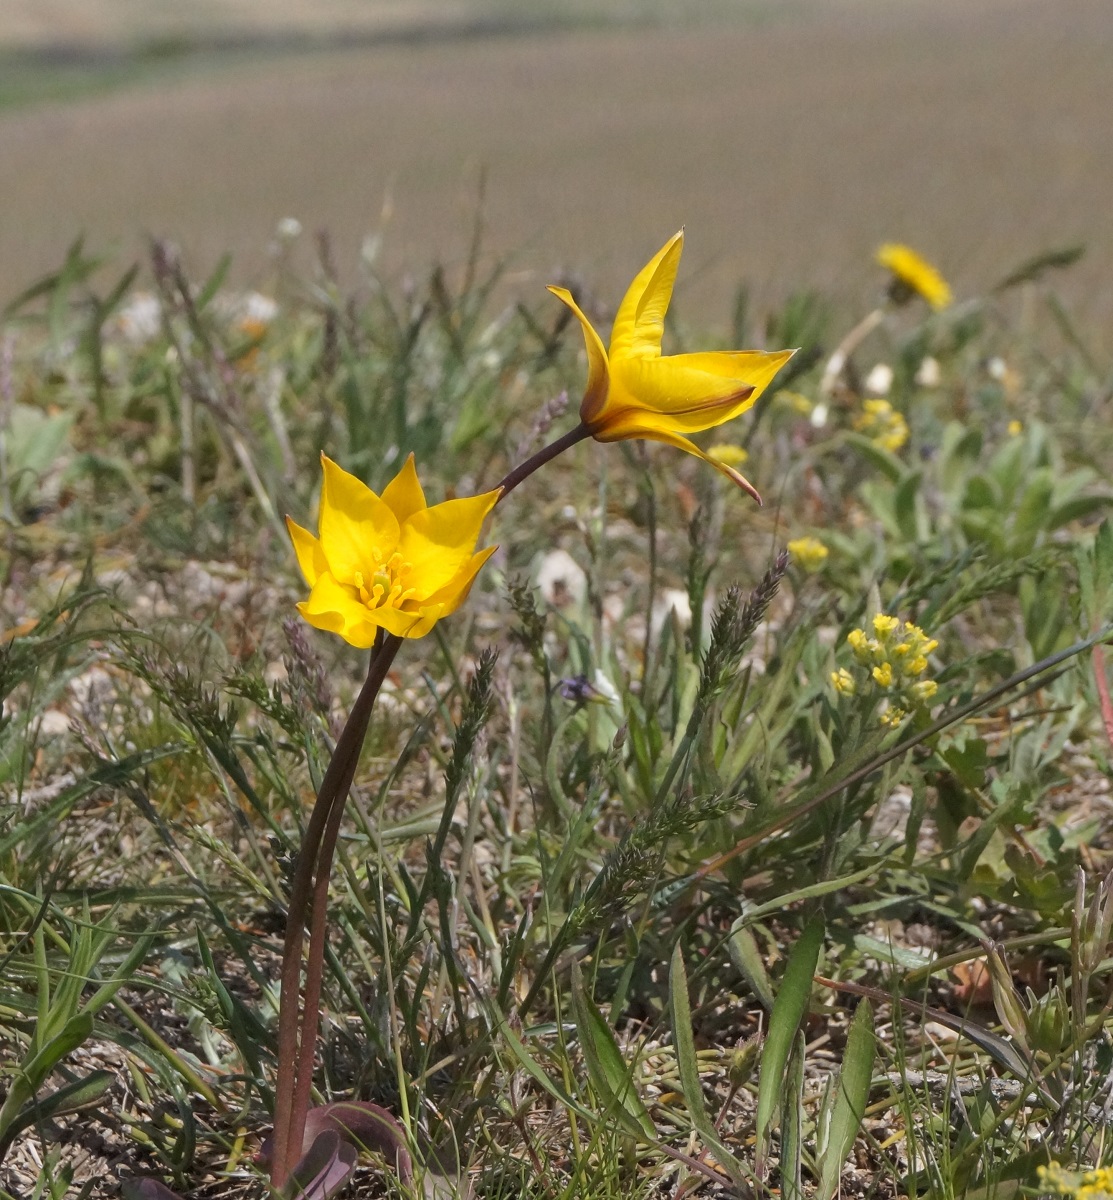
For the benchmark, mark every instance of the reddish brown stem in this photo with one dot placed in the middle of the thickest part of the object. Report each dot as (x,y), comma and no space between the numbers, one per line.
(1097,655)
(545,454)
(291,1021)
(314,974)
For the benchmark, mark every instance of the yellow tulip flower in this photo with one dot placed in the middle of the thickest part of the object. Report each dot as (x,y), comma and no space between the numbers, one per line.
(913,275)
(387,562)
(633,391)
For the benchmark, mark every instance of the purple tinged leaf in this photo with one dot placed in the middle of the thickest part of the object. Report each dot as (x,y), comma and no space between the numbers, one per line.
(147,1189)
(324,1170)
(359,1123)
(366,1126)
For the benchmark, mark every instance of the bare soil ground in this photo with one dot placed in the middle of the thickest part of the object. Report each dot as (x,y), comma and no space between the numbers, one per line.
(788,146)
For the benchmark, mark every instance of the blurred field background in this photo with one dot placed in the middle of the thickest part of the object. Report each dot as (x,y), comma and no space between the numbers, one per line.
(790,138)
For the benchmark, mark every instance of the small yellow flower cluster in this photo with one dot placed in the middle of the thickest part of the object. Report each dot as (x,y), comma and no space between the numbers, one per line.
(1096,1184)
(882,424)
(895,658)
(809,552)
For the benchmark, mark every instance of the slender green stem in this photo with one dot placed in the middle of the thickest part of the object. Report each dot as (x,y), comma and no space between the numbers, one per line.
(545,454)
(292,1017)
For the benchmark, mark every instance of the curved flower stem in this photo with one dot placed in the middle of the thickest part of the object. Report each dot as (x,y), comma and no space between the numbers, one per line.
(544,455)
(837,362)
(313,864)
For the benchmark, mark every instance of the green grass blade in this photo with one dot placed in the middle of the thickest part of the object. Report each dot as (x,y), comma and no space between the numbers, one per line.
(82,1093)
(792,1139)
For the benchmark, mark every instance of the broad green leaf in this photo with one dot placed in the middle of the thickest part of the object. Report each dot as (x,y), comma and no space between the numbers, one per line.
(29,1077)
(688,1067)
(886,462)
(851,1095)
(608,1071)
(788,1012)
(744,953)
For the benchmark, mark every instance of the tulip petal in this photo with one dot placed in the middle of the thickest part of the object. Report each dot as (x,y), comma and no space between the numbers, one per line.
(755,367)
(337,609)
(598,376)
(672,397)
(438,541)
(403,494)
(354,524)
(400,622)
(455,592)
(688,392)
(311,557)
(639,323)
(649,434)
(425,619)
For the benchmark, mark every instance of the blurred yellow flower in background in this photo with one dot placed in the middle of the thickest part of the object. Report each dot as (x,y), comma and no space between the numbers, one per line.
(635,392)
(809,552)
(387,562)
(1093,1184)
(882,424)
(728,453)
(913,275)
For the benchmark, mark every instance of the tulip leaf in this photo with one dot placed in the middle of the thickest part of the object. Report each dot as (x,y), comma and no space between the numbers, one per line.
(851,1094)
(608,1071)
(365,1126)
(688,1066)
(324,1170)
(147,1189)
(788,1012)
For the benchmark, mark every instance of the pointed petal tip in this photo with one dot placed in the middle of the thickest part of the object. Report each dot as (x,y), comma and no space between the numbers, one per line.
(748,488)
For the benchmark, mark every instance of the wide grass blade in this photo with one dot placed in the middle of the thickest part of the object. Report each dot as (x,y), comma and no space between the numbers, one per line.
(608,1071)
(851,1094)
(788,1012)
(688,1066)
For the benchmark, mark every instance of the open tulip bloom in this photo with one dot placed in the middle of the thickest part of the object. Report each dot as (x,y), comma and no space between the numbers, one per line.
(386,568)
(634,391)
(387,562)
